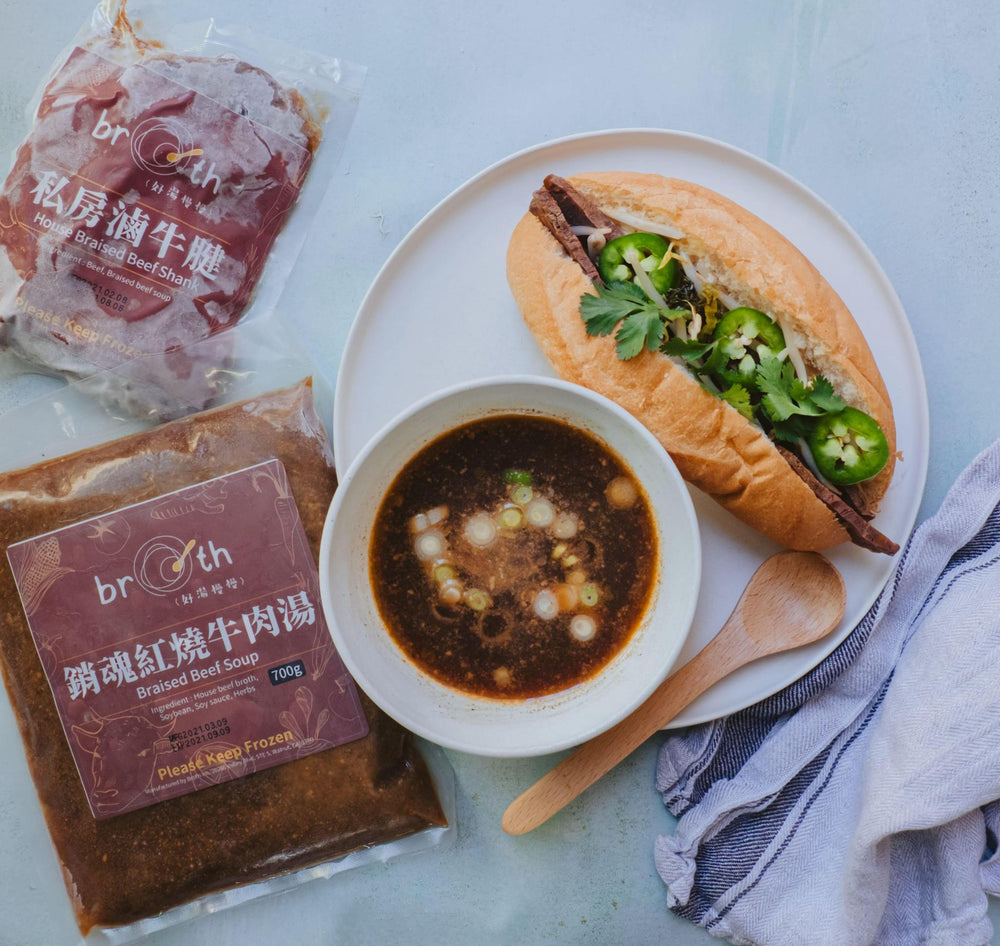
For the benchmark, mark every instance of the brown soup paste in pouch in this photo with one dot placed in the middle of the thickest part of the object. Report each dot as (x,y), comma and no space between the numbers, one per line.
(316,808)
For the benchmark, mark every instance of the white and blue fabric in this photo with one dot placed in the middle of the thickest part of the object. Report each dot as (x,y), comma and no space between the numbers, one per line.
(859,806)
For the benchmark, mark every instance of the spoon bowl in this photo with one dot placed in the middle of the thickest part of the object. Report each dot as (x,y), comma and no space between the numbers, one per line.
(793,599)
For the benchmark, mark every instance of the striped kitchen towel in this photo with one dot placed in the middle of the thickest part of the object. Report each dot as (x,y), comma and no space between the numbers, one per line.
(860,805)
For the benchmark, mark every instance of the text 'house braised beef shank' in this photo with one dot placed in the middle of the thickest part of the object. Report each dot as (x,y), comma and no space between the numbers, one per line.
(139,214)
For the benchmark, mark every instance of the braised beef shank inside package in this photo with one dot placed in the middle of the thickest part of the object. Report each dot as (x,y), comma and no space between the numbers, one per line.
(141,211)
(187,721)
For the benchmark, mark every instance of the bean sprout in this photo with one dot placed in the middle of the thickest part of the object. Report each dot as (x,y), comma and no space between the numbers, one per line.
(647,226)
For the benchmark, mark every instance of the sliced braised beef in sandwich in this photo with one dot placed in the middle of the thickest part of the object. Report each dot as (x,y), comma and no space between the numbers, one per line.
(722,338)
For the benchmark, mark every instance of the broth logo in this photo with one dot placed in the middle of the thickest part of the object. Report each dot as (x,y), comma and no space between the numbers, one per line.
(161,146)
(137,741)
(163,565)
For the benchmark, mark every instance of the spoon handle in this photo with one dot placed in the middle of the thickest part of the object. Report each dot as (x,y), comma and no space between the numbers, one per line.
(577,772)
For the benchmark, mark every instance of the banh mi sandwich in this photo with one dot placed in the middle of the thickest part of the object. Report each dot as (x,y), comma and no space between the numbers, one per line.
(722,338)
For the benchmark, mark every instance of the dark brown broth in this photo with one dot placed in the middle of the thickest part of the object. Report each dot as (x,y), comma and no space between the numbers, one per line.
(506,651)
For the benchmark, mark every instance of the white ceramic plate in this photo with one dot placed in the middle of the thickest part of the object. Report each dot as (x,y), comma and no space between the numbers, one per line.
(440,313)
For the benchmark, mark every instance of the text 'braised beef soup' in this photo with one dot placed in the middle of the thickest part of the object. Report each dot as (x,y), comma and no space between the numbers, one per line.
(513,557)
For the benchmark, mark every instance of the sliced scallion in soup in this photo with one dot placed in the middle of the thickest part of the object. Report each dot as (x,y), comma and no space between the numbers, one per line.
(513,557)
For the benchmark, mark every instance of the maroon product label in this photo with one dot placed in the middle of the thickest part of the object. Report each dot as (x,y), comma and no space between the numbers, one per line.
(184,641)
(140,213)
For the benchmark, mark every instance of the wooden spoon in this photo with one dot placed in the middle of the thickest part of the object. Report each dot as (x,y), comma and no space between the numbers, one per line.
(794,598)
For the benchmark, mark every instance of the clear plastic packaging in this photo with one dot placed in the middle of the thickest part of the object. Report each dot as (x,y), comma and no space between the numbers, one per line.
(159,201)
(369,799)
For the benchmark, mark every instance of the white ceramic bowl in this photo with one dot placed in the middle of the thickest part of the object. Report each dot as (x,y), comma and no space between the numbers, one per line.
(507,727)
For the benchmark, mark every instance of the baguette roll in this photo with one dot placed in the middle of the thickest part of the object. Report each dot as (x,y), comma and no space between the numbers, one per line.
(713,445)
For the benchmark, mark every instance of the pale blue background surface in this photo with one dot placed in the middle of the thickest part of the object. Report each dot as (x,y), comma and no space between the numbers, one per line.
(888,111)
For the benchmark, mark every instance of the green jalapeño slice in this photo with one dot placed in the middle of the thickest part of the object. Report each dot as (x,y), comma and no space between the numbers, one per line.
(848,447)
(621,255)
(741,334)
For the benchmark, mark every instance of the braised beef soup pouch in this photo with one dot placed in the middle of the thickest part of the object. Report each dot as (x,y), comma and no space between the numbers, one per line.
(151,199)
(193,736)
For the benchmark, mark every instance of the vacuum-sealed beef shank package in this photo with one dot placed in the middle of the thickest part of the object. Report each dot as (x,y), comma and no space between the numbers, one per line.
(188,723)
(143,207)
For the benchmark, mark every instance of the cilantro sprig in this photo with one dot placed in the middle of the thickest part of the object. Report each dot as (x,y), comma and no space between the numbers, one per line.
(623,308)
(774,398)
(788,402)
(737,395)
(703,359)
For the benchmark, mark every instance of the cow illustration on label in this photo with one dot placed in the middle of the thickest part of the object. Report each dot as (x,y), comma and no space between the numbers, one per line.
(136,738)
